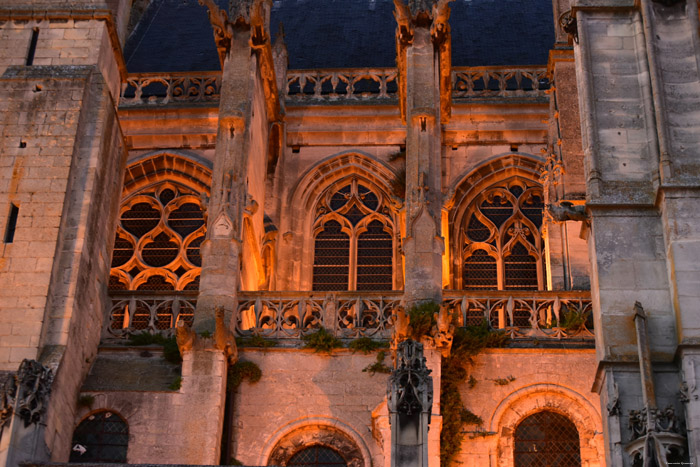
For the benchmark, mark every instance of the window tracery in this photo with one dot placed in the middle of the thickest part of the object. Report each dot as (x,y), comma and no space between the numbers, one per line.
(547,439)
(157,242)
(353,239)
(501,241)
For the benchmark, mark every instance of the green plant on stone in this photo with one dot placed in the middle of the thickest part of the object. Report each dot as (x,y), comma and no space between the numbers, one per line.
(504,381)
(367,345)
(467,343)
(472,382)
(378,366)
(171,353)
(255,341)
(573,322)
(321,341)
(205,334)
(242,370)
(421,319)
(176,385)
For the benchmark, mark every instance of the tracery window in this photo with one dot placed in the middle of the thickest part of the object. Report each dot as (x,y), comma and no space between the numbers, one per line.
(317,455)
(101,437)
(501,241)
(353,239)
(547,439)
(157,242)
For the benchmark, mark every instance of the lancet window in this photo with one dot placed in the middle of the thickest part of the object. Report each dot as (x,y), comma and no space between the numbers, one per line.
(157,242)
(353,239)
(502,248)
(547,439)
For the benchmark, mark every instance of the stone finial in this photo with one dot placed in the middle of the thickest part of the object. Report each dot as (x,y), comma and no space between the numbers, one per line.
(223,337)
(410,387)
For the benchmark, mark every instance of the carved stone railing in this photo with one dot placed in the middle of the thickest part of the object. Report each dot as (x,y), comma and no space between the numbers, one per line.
(162,88)
(293,314)
(526,314)
(290,315)
(329,85)
(152,312)
(483,82)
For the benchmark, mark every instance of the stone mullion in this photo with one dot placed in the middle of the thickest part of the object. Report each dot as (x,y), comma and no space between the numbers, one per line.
(221,251)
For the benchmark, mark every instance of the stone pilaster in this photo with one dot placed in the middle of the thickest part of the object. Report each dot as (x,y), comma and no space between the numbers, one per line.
(248,84)
(627,104)
(422,39)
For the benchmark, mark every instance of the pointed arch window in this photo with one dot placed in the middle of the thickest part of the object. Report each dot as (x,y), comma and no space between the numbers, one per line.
(502,247)
(353,239)
(101,437)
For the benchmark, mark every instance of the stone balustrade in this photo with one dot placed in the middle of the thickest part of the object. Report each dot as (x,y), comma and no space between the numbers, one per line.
(545,315)
(330,85)
(161,89)
(360,84)
(482,82)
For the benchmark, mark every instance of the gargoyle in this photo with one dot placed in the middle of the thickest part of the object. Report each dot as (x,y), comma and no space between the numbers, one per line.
(441,16)
(223,337)
(567,212)
(403,19)
(185,337)
(443,331)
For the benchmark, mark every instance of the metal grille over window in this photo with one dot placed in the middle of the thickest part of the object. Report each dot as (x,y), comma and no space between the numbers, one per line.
(354,244)
(157,242)
(502,245)
(102,437)
(547,439)
(319,456)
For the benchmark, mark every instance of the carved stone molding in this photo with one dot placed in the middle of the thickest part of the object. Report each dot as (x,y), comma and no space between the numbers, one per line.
(316,434)
(26,394)
(567,22)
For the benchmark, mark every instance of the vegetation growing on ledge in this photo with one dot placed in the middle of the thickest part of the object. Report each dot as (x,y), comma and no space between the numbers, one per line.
(255,341)
(573,322)
(378,366)
(468,342)
(367,345)
(504,381)
(171,353)
(242,370)
(176,385)
(321,341)
(421,319)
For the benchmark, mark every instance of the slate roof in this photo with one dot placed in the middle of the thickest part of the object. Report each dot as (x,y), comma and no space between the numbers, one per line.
(175,35)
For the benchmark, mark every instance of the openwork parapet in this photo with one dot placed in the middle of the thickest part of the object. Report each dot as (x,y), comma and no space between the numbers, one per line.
(161,89)
(524,314)
(152,312)
(499,82)
(360,84)
(290,315)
